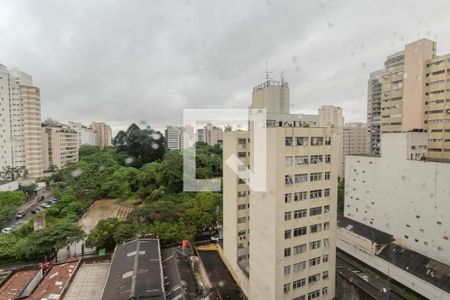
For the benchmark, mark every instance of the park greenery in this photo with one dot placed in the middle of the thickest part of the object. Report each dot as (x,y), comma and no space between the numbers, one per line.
(9,201)
(137,171)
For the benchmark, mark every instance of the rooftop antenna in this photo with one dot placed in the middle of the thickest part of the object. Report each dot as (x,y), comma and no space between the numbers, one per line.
(267,70)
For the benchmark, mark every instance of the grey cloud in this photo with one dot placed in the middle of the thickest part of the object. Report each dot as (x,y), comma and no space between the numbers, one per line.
(125,61)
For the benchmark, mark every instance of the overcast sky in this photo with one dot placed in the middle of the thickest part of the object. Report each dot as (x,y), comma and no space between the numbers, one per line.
(135,61)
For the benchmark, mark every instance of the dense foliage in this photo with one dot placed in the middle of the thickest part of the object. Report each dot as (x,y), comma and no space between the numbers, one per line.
(9,202)
(136,172)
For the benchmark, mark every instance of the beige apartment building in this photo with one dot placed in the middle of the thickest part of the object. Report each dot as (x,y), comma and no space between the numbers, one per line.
(20,118)
(437,107)
(103,134)
(415,95)
(331,116)
(60,145)
(355,141)
(280,242)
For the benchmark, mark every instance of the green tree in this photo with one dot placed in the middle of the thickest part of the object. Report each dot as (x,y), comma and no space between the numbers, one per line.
(341,196)
(108,233)
(86,150)
(172,171)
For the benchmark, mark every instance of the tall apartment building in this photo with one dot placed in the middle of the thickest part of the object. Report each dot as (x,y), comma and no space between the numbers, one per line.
(404,198)
(437,107)
(60,145)
(86,135)
(280,243)
(414,95)
(174,137)
(20,112)
(212,135)
(374,110)
(330,116)
(104,134)
(355,140)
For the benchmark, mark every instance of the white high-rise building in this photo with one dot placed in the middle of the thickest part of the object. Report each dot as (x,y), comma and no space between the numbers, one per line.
(174,137)
(280,243)
(20,118)
(86,135)
(330,116)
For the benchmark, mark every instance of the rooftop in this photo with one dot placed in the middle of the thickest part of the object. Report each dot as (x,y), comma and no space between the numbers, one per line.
(136,271)
(368,232)
(89,281)
(15,284)
(419,265)
(54,282)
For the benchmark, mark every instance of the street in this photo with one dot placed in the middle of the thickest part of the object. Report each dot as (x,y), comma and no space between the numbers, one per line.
(27,207)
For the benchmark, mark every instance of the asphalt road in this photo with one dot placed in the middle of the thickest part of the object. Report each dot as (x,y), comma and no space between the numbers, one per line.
(27,207)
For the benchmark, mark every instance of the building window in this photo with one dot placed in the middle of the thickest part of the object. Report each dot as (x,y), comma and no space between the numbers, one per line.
(288,141)
(241,194)
(301,160)
(287,270)
(242,154)
(298,283)
(299,178)
(287,288)
(316,141)
(242,220)
(314,278)
(242,206)
(326,192)
(327,140)
(314,245)
(288,179)
(300,196)
(242,141)
(299,298)
(314,261)
(297,267)
(287,198)
(287,234)
(316,159)
(325,259)
(325,291)
(287,216)
(315,176)
(327,175)
(302,141)
(300,231)
(287,252)
(326,209)
(326,226)
(299,249)
(288,161)
(315,194)
(327,159)
(325,275)
(301,213)
(314,295)
(315,228)
(314,211)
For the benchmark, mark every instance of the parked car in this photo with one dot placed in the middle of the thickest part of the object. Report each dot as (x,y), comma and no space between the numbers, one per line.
(34,211)
(7,230)
(20,215)
(45,205)
(41,198)
(53,200)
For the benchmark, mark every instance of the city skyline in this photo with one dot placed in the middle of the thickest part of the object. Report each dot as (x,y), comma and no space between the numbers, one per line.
(325,53)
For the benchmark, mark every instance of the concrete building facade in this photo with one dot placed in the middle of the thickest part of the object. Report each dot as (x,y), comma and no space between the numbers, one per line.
(60,145)
(103,134)
(400,194)
(174,137)
(20,110)
(86,135)
(374,110)
(355,140)
(280,243)
(330,116)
